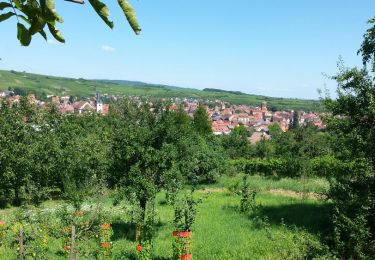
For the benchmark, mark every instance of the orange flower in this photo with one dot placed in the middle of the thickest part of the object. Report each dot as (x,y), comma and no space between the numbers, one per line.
(105,226)
(105,245)
(138,248)
(186,257)
(185,234)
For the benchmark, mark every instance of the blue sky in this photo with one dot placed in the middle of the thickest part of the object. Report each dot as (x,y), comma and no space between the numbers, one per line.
(276,48)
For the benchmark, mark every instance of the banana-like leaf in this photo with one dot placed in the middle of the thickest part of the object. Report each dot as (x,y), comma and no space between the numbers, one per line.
(6,16)
(23,35)
(56,33)
(102,10)
(4,5)
(130,15)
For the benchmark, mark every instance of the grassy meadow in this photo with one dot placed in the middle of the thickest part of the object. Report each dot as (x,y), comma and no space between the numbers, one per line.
(50,85)
(286,223)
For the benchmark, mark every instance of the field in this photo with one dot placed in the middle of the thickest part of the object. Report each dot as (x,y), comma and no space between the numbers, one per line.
(49,85)
(288,221)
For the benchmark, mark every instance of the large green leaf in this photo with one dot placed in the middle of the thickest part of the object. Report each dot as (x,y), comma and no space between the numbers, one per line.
(130,15)
(51,12)
(37,24)
(23,35)
(102,10)
(4,5)
(43,33)
(56,33)
(5,16)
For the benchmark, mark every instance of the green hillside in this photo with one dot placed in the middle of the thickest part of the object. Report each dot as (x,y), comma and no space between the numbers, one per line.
(49,85)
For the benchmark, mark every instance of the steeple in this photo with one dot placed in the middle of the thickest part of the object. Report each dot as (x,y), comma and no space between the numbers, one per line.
(99,103)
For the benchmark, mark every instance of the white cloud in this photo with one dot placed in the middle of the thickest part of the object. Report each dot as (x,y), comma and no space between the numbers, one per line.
(51,41)
(108,48)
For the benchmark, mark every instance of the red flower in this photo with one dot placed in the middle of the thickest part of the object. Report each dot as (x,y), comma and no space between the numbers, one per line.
(138,248)
(185,234)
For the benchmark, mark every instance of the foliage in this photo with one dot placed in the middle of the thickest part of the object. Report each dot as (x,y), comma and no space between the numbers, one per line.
(294,124)
(201,122)
(236,144)
(185,212)
(245,237)
(352,191)
(40,14)
(247,197)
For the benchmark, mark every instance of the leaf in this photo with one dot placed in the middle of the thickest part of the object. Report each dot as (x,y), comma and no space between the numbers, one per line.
(24,18)
(130,15)
(4,5)
(23,35)
(43,33)
(102,10)
(43,5)
(37,24)
(5,16)
(52,14)
(56,33)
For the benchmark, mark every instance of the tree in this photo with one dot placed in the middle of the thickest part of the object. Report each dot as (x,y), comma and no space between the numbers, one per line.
(201,122)
(237,144)
(353,189)
(33,16)
(294,124)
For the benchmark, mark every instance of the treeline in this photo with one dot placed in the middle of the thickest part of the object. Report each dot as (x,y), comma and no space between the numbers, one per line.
(292,154)
(47,154)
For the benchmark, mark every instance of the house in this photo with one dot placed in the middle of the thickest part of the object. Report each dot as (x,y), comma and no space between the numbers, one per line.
(66,108)
(105,109)
(31,98)
(14,99)
(82,107)
(220,127)
(258,136)
(55,100)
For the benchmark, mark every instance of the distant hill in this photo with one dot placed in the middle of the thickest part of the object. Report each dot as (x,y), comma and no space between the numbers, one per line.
(50,85)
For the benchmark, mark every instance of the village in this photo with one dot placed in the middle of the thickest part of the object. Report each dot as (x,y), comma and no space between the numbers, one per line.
(223,115)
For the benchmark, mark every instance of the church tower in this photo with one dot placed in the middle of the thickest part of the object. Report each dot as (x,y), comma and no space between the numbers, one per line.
(99,103)
(263,106)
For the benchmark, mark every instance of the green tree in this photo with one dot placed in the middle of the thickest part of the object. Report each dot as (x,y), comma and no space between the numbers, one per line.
(201,122)
(33,16)
(294,124)
(236,144)
(353,190)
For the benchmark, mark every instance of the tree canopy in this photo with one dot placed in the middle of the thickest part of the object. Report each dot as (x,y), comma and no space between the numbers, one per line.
(34,16)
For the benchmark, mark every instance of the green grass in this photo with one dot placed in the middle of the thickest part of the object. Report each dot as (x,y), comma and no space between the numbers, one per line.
(260,183)
(279,229)
(81,87)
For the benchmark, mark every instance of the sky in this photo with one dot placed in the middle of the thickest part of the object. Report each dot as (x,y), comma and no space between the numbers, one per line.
(281,48)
